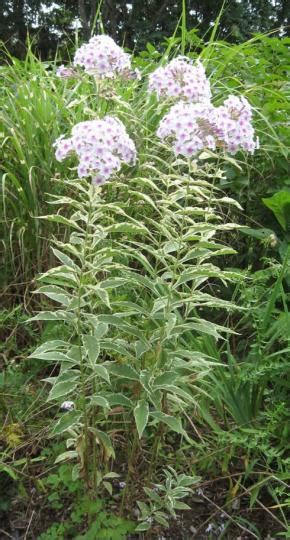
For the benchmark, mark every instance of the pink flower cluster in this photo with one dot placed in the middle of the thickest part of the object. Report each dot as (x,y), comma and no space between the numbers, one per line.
(192,127)
(102,57)
(100,145)
(181,79)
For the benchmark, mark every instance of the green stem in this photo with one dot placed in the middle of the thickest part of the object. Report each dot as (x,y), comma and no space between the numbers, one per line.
(158,440)
(94,456)
(129,472)
(82,359)
(155,451)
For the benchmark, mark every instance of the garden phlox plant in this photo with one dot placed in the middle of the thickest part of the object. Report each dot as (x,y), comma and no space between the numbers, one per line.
(102,57)
(101,146)
(181,79)
(192,127)
(141,340)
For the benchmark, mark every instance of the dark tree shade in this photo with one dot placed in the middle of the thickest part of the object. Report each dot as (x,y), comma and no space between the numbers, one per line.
(51,24)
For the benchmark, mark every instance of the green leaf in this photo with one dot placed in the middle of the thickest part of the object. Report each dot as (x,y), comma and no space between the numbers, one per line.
(61,389)
(102,372)
(124,371)
(178,505)
(153,495)
(118,323)
(160,518)
(108,487)
(92,348)
(52,356)
(51,345)
(141,415)
(105,441)
(56,218)
(111,474)
(64,259)
(177,391)
(53,316)
(113,283)
(100,330)
(145,526)
(171,246)
(118,399)
(55,293)
(70,375)
(8,470)
(69,454)
(99,401)
(279,203)
(159,304)
(260,234)
(172,422)
(126,228)
(66,421)
(168,377)
(60,275)
(117,346)
(103,295)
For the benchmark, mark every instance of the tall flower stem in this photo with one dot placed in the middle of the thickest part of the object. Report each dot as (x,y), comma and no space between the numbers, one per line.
(86,446)
(157,442)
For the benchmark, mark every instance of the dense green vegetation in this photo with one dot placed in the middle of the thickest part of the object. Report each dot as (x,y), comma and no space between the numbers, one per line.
(157,303)
(52,25)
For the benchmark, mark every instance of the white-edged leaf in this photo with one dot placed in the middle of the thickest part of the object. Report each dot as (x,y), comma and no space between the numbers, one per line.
(53,316)
(55,293)
(60,389)
(92,348)
(99,401)
(56,218)
(52,356)
(66,421)
(119,399)
(172,422)
(103,296)
(102,372)
(51,345)
(145,526)
(179,505)
(111,474)
(104,439)
(168,377)
(126,228)
(108,487)
(124,371)
(65,259)
(100,330)
(69,454)
(141,415)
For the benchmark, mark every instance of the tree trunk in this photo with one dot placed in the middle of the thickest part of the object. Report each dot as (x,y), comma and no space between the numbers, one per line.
(84,19)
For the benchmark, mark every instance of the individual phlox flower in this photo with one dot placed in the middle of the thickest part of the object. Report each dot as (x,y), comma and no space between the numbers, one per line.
(65,72)
(181,79)
(192,127)
(102,57)
(67,406)
(101,146)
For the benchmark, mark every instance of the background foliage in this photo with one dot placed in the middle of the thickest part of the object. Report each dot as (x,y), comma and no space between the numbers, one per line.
(134,23)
